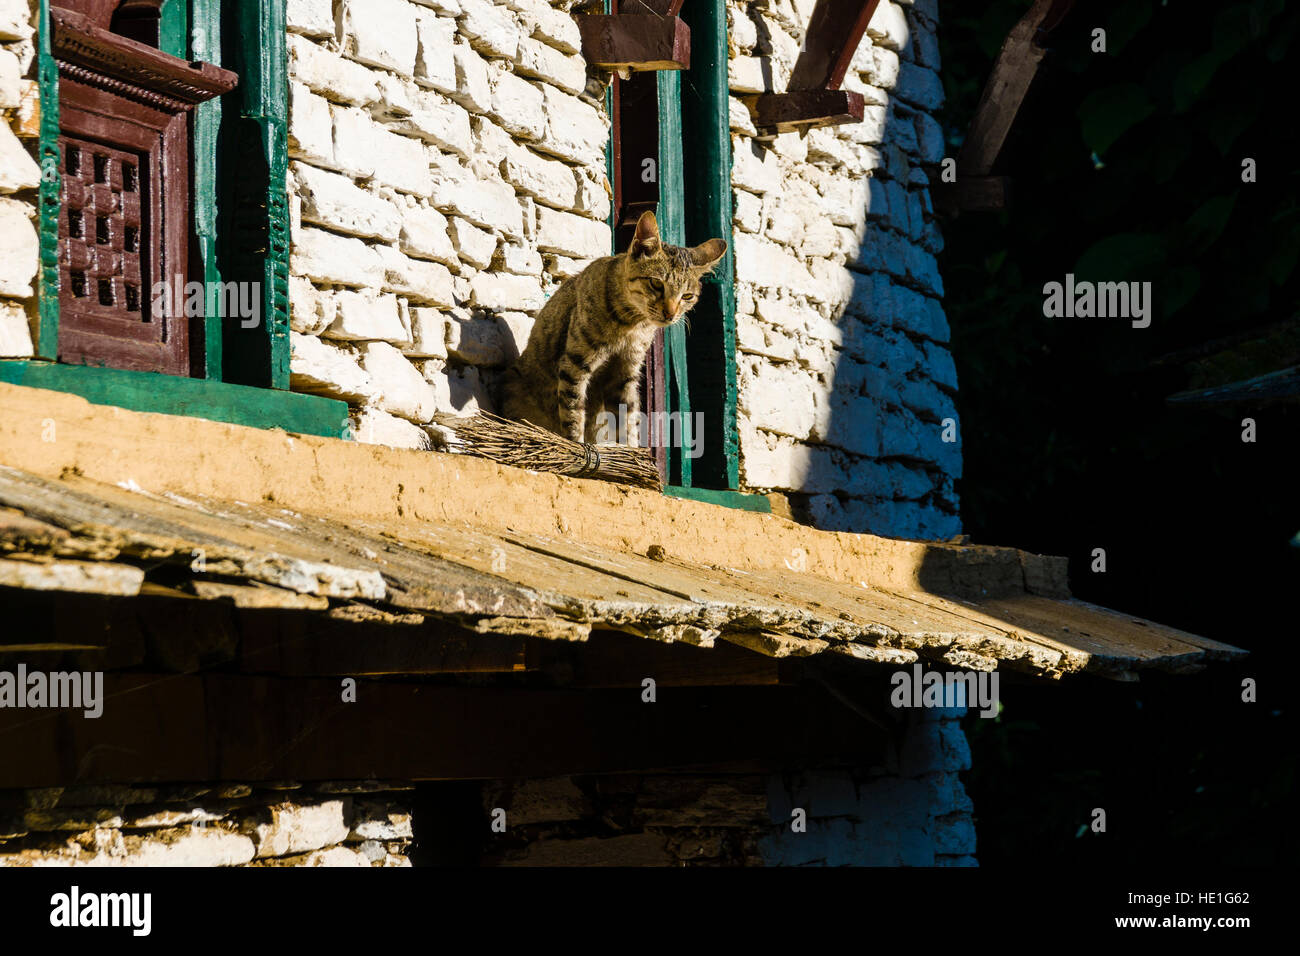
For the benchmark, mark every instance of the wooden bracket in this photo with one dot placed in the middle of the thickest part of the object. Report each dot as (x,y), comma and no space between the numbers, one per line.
(640,42)
(806,109)
(814,97)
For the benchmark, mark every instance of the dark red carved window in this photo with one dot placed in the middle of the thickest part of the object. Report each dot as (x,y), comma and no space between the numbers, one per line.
(124,231)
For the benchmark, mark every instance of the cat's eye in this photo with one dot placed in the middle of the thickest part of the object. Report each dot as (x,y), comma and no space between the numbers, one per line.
(689,297)
(657,285)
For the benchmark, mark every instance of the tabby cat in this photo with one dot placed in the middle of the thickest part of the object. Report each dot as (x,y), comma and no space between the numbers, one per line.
(590,340)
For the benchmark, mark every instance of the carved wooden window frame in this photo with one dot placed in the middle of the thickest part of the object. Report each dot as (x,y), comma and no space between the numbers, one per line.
(240,230)
(120,98)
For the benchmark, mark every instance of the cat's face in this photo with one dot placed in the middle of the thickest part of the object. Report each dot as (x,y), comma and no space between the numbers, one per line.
(664,280)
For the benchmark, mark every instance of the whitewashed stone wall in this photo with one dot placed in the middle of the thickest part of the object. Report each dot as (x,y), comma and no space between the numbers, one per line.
(845,377)
(349,823)
(447,171)
(19,178)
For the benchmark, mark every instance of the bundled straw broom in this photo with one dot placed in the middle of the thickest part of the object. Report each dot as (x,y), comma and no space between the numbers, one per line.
(525,445)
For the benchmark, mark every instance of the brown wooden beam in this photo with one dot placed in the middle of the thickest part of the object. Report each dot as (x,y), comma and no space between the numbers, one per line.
(970,193)
(300,645)
(1013,72)
(610,659)
(833,35)
(806,109)
(635,41)
(157,728)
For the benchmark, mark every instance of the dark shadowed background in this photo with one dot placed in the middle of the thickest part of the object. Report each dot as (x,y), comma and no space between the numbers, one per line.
(1127,165)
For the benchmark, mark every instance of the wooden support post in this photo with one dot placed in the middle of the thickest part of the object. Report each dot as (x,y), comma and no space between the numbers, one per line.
(834,32)
(976,188)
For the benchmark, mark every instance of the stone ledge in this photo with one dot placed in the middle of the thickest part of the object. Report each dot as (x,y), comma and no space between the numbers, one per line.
(340,479)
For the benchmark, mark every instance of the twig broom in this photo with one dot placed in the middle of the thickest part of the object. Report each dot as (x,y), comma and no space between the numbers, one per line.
(525,445)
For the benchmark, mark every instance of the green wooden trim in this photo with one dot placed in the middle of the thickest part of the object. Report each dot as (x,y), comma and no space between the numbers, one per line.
(673,230)
(711,352)
(255,226)
(612,218)
(727,499)
(174,28)
(47,279)
(205,45)
(192,397)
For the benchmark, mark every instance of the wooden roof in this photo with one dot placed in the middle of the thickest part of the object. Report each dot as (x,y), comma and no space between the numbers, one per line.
(77,535)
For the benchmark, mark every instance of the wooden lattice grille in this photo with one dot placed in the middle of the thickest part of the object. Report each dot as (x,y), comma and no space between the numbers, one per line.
(105,245)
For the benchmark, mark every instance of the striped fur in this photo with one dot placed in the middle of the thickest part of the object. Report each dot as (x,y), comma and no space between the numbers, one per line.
(588,346)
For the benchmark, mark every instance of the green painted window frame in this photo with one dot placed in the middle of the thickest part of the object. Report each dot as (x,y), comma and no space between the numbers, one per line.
(243,238)
(696,205)
(710,346)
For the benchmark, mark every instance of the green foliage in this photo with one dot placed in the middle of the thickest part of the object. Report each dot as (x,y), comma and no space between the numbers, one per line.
(1111,111)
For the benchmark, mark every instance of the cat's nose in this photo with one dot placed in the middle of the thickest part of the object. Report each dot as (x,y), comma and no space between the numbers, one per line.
(672,308)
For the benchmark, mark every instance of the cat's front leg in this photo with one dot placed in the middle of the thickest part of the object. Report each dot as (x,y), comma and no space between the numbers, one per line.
(572,378)
(629,397)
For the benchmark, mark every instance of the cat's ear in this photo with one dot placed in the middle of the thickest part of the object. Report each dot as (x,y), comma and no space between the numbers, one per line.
(646,240)
(707,254)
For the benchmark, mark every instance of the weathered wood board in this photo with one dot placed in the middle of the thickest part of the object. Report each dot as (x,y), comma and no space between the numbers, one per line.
(76,535)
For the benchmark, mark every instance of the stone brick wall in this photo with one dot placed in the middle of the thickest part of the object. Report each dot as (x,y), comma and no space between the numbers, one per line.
(328,824)
(447,172)
(911,812)
(914,812)
(845,375)
(19,177)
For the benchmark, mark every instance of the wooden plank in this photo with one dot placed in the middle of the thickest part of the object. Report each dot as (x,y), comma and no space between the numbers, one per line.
(86,577)
(415,579)
(157,728)
(556,588)
(150,527)
(914,622)
(807,109)
(19,532)
(1013,73)
(52,647)
(620,660)
(1271,385)
(633,41)
(834,32)
(300,553)
(714,601)
(577,589)
(775,644)
(257,596)
(296,646)
(1110,637)
(191,397)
